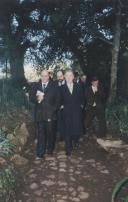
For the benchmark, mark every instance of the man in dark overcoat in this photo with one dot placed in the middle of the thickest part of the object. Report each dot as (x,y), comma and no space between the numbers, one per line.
(95,106)
(71,106)
(46,98)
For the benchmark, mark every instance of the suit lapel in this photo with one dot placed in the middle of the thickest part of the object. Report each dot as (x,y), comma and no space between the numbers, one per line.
(74,88)
(48,86)
(40,86)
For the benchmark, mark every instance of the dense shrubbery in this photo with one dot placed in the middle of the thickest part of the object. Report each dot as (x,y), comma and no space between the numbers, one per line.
(6,147)
(7,171)
(119,186)
(117,117)
(7,183)
(12,102)
(10,96)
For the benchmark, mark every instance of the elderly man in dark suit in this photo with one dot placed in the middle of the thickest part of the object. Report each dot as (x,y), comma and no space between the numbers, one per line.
(71,106)
(95,106)
(46,99)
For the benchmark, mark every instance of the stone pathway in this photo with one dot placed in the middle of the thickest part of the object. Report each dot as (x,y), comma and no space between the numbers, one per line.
(88,176)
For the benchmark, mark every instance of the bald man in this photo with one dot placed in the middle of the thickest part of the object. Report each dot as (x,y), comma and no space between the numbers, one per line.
(46,98)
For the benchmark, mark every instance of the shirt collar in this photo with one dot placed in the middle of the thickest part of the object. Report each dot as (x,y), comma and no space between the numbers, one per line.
(45,84)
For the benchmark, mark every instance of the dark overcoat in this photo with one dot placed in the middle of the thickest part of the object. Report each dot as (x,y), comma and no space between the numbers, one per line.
(98,98)
(72,110)
(47,109)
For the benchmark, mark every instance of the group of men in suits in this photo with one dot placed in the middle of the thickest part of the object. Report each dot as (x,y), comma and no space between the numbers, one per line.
(60,107)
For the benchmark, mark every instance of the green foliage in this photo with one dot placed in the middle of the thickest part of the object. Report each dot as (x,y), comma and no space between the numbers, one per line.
(126,199)
(118,188)
(11,96)
(6,147)
(7,183)
(7,171)
(117,116)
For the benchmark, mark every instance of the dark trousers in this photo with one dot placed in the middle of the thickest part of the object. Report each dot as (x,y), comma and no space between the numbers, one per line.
(46,137)
(60,126)
(70,142)
(99,113)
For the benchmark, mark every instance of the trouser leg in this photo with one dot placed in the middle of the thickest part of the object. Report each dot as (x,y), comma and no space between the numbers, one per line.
(68,144)
(41,139)
(60,126)
(51,136)
(90,113)
(102,123)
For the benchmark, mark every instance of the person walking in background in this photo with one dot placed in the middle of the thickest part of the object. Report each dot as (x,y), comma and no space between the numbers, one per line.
(77,79)
(84,87)
(46,99)
(84,78)
(71,107)
(95,106)
(80,80)
(84,81)
(60,80)
(60,77)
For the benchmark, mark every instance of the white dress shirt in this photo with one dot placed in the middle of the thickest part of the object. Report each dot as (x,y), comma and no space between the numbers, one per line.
(95,89)
(70,87)
(44,84)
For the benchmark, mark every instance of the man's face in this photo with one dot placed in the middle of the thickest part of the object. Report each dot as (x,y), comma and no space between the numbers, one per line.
(95,83)
(83,78)
(69,77)
(44,76)
(60,76)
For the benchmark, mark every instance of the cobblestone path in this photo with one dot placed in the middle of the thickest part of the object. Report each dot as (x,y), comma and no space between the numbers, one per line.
(87,176)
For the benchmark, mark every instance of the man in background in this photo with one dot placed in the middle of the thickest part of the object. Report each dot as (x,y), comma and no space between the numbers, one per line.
(95,106)
(60,82)
(60,77)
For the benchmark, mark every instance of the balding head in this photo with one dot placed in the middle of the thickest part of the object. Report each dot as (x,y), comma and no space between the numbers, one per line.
(45,76)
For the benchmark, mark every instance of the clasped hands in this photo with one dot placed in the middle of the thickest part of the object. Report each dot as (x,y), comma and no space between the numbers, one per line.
(40,96)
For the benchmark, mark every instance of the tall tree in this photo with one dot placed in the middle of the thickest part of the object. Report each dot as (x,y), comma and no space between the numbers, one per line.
(21,20)
(115,53)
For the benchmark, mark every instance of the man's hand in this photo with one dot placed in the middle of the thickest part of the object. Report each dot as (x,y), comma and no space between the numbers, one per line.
(62,107)
(40,96)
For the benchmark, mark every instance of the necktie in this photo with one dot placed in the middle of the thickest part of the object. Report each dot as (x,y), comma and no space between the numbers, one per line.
(44,87)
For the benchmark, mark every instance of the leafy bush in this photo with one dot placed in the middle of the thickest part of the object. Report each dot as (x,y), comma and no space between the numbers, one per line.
(7,183)
(118,188)
(11,96)
(6,147)
(117,116)
(7,174)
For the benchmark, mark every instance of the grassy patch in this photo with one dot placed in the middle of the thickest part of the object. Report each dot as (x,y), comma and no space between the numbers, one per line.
(7,183)
(117,117)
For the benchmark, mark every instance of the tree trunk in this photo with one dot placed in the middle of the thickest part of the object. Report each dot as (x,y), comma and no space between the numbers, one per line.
(115,55)
(17,66)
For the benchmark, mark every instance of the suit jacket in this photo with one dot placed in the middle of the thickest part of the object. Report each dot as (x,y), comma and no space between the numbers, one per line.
(47,109)
(98,97)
